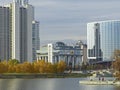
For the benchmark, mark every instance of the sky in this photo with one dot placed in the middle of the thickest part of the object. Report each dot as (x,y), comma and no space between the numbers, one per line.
(67,19)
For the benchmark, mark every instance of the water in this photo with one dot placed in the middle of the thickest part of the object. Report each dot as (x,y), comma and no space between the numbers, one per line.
(50,84)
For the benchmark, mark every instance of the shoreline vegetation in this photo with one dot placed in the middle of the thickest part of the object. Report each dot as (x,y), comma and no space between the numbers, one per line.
(39,69)
(40,66)
(39,75)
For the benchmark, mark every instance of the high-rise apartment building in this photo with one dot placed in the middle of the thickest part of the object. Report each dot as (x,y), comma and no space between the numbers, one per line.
(103,38)
(16,31)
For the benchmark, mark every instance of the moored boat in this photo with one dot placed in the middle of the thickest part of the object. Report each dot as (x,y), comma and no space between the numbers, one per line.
(95,82)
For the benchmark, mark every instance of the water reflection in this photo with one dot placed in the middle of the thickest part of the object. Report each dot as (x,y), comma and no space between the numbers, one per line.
(50,84)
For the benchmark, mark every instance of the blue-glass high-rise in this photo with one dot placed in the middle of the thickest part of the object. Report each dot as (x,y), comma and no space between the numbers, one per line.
(103,38)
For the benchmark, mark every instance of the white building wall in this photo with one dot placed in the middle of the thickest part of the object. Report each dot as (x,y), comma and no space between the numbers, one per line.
(90,38)
(15,31)
(50,53)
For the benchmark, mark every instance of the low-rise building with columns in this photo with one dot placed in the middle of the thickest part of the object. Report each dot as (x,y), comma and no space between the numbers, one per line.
(54,52)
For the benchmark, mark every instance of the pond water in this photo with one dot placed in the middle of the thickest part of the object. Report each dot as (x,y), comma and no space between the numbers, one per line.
(51,84)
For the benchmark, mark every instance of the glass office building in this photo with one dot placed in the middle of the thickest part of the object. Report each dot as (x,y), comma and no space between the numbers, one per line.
(103,38)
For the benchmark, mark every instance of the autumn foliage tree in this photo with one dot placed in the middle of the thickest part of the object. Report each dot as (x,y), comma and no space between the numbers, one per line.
(26,67)
(12,65)
(61,66)
(3,68)
(116,64)
(40,66)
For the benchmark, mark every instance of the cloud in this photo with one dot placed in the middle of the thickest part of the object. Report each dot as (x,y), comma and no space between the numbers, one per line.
(67,19)
(42,3)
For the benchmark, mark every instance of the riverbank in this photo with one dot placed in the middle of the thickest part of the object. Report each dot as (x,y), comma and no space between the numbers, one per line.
(38,75)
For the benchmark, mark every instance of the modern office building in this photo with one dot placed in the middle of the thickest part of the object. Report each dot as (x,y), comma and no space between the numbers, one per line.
(4,33)
(35,38)
(54,52)
(16,31)
(103,38)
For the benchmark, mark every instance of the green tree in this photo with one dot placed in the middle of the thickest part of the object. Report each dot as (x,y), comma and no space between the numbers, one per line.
(13,62)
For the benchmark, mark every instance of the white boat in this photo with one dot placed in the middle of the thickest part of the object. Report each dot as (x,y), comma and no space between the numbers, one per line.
(99,78)
(94,82)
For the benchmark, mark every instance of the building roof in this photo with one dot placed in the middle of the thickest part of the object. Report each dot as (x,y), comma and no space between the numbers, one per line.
(104,21)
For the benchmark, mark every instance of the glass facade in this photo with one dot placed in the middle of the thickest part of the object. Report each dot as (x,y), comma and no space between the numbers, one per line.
(4,33)
(103,39)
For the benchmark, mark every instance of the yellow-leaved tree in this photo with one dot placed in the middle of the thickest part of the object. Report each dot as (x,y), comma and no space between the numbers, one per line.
(12,65)
(61,67)
(3,67)
(116,64)
(27,67)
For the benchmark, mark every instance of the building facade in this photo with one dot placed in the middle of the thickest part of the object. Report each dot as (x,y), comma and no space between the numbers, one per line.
(35,38)
(17,27)
(83,48)
(103,39)
(4,33)
(72,55)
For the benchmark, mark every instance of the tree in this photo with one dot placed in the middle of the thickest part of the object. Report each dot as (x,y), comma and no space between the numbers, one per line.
(42,66)
(116,54)
(12,65)
(36,67)
(116,64)
(61,66)
(3,68)
(49,68)
(84,66)
(13,62)
(26,67)
(11,68)
(18,68)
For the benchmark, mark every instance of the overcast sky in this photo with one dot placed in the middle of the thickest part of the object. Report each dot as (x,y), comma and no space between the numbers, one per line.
(67,19)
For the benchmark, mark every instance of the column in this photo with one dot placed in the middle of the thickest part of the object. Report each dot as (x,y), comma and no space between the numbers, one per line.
(59,58)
